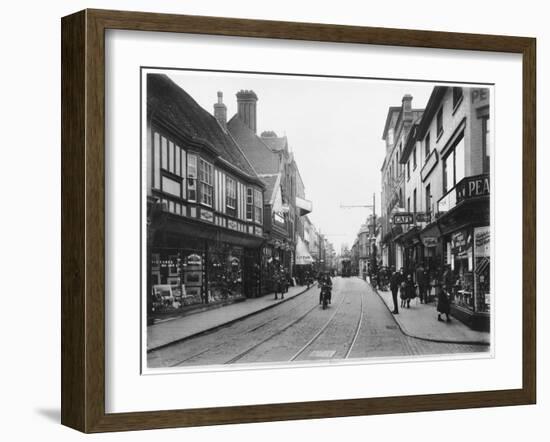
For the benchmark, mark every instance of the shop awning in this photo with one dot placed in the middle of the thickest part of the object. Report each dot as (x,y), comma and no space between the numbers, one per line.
(304,206)
(409,237)
(302,253)
(430,234)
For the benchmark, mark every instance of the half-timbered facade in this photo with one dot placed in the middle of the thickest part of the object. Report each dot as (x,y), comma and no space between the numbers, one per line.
(204,203)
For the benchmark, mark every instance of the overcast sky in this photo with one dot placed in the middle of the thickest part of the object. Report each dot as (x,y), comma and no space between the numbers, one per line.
(334,128)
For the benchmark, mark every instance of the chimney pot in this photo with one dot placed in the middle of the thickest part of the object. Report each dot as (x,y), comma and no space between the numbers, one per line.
(220,111)
(246,108)
(407,103)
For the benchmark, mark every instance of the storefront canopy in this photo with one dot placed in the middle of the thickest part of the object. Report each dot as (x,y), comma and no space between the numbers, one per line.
(302,254)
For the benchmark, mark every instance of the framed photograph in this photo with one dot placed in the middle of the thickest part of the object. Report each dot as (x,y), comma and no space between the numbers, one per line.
(268,221)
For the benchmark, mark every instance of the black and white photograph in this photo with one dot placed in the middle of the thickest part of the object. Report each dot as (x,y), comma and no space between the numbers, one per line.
(306,219)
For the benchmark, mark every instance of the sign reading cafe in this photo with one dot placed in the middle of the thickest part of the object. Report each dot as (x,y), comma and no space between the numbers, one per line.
(403,218)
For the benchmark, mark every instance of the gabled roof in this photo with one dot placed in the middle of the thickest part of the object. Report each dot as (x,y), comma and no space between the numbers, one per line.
(262,158)
(391,112)
(412,138)
(271,182)
(169,105)
(434,101)
(265,162)
(275,143)
(409,143)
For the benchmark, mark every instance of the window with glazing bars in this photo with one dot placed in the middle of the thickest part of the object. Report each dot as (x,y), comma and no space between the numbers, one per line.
(206,173)
(258,206)
(249,203)
(231,196)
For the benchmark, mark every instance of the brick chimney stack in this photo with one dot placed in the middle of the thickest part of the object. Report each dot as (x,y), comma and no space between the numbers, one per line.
(407,107)
(220,111)
(246,108)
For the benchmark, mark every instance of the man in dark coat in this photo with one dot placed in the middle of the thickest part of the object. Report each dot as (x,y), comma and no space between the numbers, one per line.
(422,282)
(395,281)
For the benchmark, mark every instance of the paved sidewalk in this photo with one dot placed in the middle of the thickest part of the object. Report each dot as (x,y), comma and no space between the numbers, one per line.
(177,329)
(420,321)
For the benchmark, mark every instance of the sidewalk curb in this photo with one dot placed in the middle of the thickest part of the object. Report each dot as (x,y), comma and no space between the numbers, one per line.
(232,321)
(440,341)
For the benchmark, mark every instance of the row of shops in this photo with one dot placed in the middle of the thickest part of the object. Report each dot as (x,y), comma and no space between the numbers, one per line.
(191,263)
(461,240)
(436,196)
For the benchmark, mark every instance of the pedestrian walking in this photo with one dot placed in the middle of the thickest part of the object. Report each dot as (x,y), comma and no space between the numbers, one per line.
(443,298)
(403,293)
(286,282)
(409,290)
(278,280)
(395,282)
(422,282)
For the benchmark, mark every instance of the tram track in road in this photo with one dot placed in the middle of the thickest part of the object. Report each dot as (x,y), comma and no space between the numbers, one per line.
(357,329)
(273,331)
(280,331)
(255,327)
(321,331)
(250,330)
(273,335)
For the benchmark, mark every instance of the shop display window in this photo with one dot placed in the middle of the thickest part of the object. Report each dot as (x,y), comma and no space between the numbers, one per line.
(179,272)
(225,272)
(482,270)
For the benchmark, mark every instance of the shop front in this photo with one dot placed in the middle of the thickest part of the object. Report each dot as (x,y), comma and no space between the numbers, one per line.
(466,240)
(467,252)
(192,264)
(413,253)
(276,257)
(432,245)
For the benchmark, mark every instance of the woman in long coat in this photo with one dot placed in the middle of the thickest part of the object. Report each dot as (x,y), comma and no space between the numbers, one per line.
(410,290)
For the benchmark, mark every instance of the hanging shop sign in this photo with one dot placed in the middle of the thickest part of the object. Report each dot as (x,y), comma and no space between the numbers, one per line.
(430,241)
(471,187)
(403,218)
(423,217)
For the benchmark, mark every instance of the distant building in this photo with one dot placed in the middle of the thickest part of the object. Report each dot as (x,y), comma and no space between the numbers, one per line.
(366,245)
(363,250)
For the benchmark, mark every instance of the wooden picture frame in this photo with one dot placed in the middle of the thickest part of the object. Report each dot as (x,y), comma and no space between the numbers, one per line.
(83,220)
